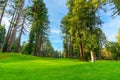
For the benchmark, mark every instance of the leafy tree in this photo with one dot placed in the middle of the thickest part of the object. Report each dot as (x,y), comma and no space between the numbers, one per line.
(116,8)
(31,42)
(48,49)
(13,49)
(114,49)
(58,54)
(80,21)
(3,5)
(94,43)
(118,36)
(26,49)
(2,35)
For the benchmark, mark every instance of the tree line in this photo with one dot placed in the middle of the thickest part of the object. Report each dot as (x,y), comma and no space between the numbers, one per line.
(25,15)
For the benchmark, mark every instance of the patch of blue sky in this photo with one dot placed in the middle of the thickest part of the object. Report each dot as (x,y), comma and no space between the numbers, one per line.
(56,11)
(111,25)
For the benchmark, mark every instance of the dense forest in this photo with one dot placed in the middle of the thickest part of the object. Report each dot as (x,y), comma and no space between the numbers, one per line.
(26,17)
(81,30)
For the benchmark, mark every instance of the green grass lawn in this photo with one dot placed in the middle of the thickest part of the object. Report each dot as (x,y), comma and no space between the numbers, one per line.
(24,67)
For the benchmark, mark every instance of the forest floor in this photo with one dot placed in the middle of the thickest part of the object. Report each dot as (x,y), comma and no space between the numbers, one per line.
(25,67)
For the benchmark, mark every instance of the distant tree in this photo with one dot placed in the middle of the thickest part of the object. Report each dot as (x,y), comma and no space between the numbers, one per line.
(114,49)
(31,41)
(58,54)
(3,4)
(26,49)
(118,37)
(2,35)
(13,49)
(48,49)
(65,26)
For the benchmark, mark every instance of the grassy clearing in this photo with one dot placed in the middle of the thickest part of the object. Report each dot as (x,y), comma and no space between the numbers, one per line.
(24,67)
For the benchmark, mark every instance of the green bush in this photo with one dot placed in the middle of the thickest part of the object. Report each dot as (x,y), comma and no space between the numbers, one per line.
(114,49)
(2,35)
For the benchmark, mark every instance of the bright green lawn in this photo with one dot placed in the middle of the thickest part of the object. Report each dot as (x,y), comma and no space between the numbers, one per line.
(24,67)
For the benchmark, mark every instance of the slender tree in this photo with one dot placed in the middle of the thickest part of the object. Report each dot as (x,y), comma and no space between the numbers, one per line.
(23,26)
(13,35)
(118,36)
(2,35)
(4,3)
(12,12)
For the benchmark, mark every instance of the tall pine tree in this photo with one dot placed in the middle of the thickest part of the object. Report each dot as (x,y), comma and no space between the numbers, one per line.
(39,26)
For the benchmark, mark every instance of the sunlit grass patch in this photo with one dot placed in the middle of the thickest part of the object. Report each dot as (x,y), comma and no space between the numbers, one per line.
(28,67)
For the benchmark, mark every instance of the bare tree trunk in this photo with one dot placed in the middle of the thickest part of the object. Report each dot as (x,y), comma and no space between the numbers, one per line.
(18,44)
(82,56)
(92,56)
(3,11)
(12,39)
(20,35)
(6,42)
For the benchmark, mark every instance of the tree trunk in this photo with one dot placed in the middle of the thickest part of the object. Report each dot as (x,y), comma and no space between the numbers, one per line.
(35,49)
(6,42)
(3,11)
(66,51)
(82,56)
(37,46)
(12,39)
(81,52)
(92,56)
(20,35)
(71,48)
(67,48)
(42,44)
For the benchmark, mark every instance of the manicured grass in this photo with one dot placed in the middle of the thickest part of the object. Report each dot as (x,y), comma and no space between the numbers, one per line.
(25,67)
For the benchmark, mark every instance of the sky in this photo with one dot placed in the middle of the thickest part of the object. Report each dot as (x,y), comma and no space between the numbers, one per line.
(110,24)
(57,10)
